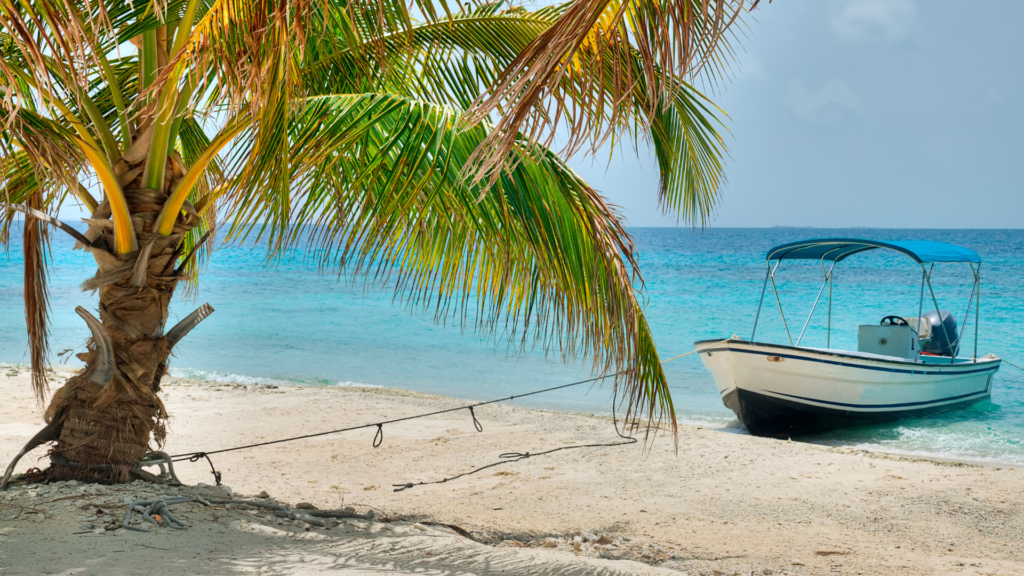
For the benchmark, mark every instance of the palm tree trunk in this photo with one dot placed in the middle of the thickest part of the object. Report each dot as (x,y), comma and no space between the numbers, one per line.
(109,413)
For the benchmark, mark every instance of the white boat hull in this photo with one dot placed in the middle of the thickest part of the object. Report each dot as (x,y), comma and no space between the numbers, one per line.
(788,391)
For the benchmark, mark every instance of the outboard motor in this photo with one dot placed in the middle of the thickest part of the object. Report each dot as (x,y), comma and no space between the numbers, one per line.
(942,328)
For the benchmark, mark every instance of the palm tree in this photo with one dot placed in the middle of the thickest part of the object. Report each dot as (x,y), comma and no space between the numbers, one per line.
(393,142)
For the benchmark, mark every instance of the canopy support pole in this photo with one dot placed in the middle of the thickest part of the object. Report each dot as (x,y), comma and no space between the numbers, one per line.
(828,275)
(967,315)
(828,337)
(920,310)
(771,275)
(828,330)
(977,306)
(942,324)
(761,302)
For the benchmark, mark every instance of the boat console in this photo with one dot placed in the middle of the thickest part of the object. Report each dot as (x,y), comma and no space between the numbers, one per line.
(909,337)
(897,340)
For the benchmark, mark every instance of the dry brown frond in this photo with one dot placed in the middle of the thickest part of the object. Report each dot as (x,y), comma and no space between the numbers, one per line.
(34,162)
(58,32)
(35,244)
(557,79)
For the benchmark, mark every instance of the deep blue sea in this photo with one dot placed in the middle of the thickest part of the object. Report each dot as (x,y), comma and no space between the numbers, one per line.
(290,325)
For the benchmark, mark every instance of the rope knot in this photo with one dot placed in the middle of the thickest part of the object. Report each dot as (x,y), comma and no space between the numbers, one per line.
(199,456)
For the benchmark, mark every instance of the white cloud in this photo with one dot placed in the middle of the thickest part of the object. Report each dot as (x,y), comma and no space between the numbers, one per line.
(874,20)
(825,103)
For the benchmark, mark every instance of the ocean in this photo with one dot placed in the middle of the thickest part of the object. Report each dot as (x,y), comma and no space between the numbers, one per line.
(290,325)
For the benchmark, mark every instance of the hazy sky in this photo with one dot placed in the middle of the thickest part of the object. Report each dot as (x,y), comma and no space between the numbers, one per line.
(882,113)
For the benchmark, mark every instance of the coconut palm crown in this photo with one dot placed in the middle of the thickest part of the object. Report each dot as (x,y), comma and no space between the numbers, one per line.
(405,144)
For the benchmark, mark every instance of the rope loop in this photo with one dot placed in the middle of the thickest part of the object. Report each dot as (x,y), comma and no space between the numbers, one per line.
(199,456)
(476,423)
(378,438)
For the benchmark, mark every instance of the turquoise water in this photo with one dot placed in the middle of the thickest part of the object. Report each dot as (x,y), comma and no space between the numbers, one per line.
(293,326)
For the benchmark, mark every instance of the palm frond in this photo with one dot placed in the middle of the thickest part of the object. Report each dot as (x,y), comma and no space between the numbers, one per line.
(377,191)
(356,145)
(193,141)
(689,151)
(234,45)
(37,166)
(42,32)
(24,183)
(35,245)
(37,155)
(673,40)
(125,72)
(450,63)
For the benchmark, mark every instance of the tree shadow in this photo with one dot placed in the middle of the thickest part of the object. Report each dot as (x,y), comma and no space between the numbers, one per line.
(237,544)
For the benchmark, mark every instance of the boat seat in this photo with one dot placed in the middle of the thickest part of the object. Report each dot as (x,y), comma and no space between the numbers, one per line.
(921,325)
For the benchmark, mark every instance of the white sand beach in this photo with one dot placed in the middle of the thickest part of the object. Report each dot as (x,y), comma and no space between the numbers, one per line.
(725,504)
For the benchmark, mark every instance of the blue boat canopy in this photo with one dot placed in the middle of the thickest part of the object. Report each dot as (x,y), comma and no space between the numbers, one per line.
(836,249)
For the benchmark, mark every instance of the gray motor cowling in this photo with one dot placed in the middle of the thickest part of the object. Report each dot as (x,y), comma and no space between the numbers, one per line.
(944,334)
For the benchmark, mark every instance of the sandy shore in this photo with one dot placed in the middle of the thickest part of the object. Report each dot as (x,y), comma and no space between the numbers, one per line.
(726,503)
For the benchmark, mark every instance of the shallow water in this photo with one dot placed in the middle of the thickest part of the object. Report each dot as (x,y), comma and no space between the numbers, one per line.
(293,326)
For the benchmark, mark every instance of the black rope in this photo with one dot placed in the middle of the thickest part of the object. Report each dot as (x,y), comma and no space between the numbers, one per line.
(195,456)
(509,457)
(476,423)
(199,456)
(379,437)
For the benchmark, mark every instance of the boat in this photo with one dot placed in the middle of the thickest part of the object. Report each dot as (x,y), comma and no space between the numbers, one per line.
(904,366)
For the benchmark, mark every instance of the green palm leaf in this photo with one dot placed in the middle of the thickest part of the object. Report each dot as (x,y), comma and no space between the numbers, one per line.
(673,40)
(377,189)
(356,132)
(450,63)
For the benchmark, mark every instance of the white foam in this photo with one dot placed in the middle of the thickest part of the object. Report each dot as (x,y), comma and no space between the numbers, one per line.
(713,422)
(232,378)
(957,445)
(350,384)
(709,421)
(1006,459)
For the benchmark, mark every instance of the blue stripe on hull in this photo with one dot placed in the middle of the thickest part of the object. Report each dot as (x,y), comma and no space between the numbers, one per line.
(903,405)
(861,366)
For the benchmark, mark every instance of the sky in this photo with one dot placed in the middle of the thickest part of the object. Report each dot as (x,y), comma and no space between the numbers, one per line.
(855,113)
(850,113)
